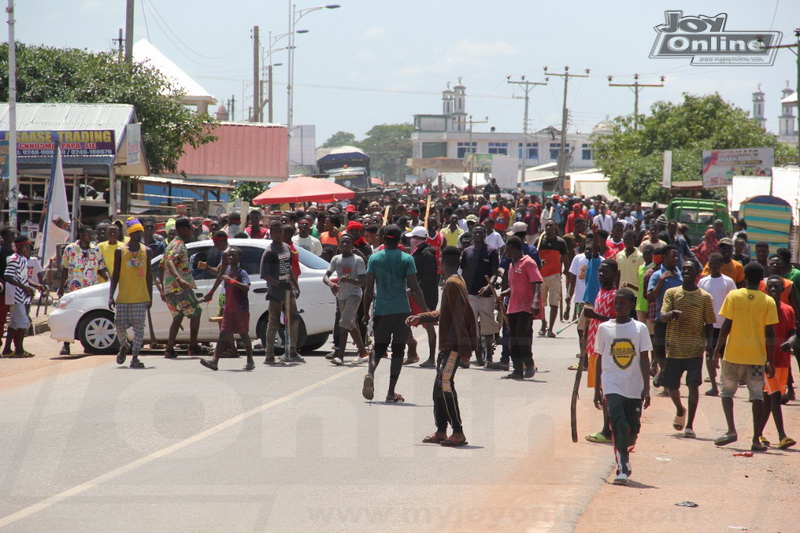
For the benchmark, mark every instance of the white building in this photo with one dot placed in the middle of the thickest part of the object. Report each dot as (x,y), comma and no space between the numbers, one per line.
(787,120)
(443,141)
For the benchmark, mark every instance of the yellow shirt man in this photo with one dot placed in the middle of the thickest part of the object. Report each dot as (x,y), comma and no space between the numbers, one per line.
(751,312)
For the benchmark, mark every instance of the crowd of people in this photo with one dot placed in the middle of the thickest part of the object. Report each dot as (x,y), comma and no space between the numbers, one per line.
(629,279)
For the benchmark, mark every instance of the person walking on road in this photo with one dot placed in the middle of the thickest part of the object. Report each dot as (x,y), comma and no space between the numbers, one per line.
(718,285)
(554,254)
(457,340)
(18,296)
(276,270)
(748,335)
(622,386)
(391,271)
(428,277)
(82,266)
(236,315)
(179,287)
(689,314)
(477,262)
(134,278)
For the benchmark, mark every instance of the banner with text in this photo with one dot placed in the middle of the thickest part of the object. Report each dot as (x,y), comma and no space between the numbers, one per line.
(720,166)
(73,143)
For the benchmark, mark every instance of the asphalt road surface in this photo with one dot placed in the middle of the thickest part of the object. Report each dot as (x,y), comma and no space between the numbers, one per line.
(90,446)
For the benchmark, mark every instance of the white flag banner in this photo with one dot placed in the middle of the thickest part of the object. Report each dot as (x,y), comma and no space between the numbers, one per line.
(56,224)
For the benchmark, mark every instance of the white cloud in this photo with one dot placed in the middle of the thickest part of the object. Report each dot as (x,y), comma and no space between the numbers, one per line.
(371,34)
(364,56)
(96,5)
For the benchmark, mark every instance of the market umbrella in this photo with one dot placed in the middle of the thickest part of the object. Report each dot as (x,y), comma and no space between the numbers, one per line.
(303,189)
(376,181)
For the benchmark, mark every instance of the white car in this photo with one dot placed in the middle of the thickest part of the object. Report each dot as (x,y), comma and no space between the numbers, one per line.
(84,314)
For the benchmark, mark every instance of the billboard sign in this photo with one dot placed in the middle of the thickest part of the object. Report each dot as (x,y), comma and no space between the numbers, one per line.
(720,166)
(74,143)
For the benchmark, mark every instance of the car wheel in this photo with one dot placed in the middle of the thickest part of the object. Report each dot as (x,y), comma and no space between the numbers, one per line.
(261,330)
(98,334)
(315,342)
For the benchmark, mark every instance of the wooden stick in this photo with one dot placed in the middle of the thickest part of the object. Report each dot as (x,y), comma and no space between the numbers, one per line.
(573,408)
(427,211)
(500,306)
(288,326)
(386,215)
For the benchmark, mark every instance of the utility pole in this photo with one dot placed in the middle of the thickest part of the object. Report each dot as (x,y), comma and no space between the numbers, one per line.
(636,87)
(232,108)
(13,190)
(527,86)
(129,33)
(120,40)
(256,116)
(562,154)
(471,148)
(796,52)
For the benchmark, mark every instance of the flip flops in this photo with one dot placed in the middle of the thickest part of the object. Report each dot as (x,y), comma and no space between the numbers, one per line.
(758,447)
(428,364)
(411,361)
(725,440)
(763,440)
(395,399)
(433,439)
(786,442)
(20,355)
(598,438)
(679,422)
(368,389)
(689,433)
(453,442)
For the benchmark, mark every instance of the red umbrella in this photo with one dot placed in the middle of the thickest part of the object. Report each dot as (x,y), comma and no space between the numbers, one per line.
(376,181)
(303,189)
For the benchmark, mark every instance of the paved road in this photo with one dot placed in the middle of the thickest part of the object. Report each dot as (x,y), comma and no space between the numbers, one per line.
(95,447)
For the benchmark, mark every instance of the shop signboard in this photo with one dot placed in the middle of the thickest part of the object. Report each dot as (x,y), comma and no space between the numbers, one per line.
(74,143)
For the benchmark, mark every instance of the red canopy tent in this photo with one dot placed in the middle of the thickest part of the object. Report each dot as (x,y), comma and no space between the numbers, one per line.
(303,189)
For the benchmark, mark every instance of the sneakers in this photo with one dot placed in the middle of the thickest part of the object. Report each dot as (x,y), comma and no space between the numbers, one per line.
(135,363)
(621,479)
(337,361)
(330,356)
(65,349)
(529,373)
(497,366)
(361,359)
(368,389)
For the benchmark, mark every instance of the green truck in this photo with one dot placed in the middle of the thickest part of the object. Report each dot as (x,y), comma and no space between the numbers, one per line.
(699,214)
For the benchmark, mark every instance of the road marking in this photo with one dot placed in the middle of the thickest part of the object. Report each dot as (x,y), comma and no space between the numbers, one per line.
(83,487)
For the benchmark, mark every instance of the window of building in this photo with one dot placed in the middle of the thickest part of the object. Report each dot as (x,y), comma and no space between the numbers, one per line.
(498,148)
(587,154)
(464,148)
(555,149)
(532,151)
(438,149)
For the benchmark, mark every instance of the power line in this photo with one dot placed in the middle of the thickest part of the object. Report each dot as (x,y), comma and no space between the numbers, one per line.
(636,87)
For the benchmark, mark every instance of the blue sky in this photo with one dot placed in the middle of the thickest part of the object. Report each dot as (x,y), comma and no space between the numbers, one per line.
(379,62)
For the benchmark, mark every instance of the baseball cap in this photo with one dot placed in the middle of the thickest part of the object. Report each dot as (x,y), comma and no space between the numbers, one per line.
(472,218)
(351,208)
(726,240)
(518,227)
(392,232)
(419,232)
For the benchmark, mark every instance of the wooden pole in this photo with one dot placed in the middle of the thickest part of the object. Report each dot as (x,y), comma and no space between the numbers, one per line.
(427,211)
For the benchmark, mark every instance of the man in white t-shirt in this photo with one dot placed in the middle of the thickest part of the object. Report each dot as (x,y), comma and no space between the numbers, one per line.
(576,285)
(603,219)
(304,239)
(623,377)
(493,238)
(718,285)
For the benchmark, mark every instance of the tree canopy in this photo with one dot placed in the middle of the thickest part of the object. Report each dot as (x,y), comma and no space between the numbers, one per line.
(340,138)
(633,158)
(46,74)
(388,147)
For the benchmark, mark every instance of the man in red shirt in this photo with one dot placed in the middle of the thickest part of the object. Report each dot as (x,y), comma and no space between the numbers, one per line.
(501,215)
(554,254)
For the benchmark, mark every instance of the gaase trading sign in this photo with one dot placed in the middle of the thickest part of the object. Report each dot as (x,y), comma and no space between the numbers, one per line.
(73,143)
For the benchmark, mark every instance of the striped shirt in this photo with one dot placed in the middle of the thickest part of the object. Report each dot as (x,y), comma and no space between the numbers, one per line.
(17,268)
(686,336)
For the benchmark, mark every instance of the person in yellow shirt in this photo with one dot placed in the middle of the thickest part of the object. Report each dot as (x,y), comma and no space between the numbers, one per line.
(730,267)
(108,247)
(748,339)
(452,232)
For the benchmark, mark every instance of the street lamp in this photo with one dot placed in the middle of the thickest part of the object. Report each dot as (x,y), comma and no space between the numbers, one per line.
(294,16)
(270,50)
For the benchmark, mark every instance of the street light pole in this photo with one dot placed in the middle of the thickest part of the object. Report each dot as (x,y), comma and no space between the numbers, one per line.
(294,16)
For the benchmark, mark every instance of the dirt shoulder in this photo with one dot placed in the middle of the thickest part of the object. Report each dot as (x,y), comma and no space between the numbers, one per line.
(759,493)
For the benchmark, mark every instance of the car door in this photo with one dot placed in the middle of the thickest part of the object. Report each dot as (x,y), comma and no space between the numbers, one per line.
(251,263)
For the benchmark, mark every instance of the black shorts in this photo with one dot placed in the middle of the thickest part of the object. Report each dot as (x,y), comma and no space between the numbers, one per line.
(715,338)
(674,369)
(390,329)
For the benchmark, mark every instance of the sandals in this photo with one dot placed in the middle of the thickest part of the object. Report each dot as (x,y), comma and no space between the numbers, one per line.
(430,363)
(209,364)
(170,354)
(453,442)
(411,361)
(786,443)
(433,439)
(598,438)
(20,355)
(758,447)
(679,422)
(763,440)
(725,440)
(368,389)
(249,366)
(689,433)
(135,363)
(394,399)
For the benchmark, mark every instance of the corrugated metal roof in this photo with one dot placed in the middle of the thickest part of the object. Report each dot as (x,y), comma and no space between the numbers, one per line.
(54,117)
(246,152)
